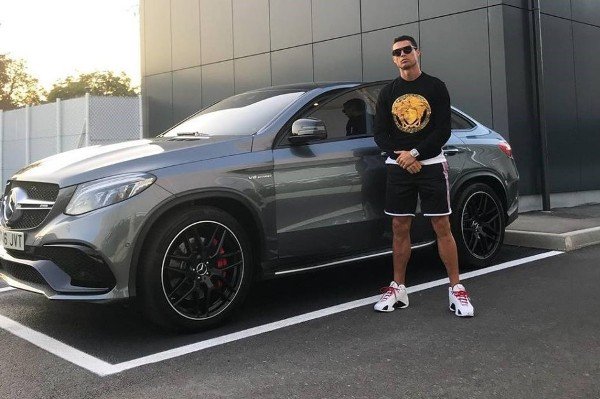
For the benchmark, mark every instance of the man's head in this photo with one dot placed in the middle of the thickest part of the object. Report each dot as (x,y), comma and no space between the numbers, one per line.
(405,53)
(354,107)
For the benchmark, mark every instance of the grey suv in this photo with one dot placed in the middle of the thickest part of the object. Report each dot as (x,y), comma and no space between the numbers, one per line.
(263,184)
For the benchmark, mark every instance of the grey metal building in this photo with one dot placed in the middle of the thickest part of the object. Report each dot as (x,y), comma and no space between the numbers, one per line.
(494,55)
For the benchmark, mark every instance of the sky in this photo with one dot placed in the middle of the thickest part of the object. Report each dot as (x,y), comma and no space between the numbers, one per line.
(57,38)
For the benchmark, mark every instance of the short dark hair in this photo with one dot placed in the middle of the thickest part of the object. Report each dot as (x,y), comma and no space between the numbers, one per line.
(356,103)
(406,37)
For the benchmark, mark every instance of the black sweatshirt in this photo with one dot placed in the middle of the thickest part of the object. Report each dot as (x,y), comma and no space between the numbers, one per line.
(413,114)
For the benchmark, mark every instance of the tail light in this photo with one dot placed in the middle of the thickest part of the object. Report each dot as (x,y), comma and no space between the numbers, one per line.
(505,148)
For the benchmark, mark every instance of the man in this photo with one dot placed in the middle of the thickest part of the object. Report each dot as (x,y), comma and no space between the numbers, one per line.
(412,123)
(356,111)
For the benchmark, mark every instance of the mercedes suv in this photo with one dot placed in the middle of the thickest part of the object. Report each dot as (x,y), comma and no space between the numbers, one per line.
(262,184)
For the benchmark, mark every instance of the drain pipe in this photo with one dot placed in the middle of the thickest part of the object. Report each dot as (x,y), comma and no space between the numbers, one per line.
(541,111)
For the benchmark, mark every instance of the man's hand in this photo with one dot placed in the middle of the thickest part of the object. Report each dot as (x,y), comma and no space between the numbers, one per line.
(404,158)
(407,161)
(414,167)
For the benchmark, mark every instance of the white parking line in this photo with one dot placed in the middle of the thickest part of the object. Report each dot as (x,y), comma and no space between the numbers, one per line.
(55,347)
(5,289)
(103,368)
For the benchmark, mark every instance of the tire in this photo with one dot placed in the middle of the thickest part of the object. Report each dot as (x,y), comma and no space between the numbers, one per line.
(196,269)
(478,223)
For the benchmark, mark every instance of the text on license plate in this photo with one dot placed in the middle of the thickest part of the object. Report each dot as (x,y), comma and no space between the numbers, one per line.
(13,240)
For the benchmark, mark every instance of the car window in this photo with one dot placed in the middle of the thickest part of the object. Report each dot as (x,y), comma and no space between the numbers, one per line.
(348,115)
(373,91)
(460,123)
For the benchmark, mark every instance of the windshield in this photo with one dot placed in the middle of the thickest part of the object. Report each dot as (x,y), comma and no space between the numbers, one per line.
(239,115)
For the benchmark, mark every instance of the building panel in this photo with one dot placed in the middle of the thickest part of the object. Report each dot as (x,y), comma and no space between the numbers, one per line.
(185,23)
(524,4)
(523,133)
(292,65)
(217,82)
(338,60)
(250,27)
(377,14)
(252,72)
(498,71)
(216,31)
(335,18)
(587,11)
(157,36)
(291,23)
(558,8)
(187,92)
(586,41)
(561,106)
(159,101)
(464,69)
(436,8)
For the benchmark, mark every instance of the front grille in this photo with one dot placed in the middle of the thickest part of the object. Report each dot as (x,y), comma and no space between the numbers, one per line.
(24,273)
(29,220)
(35,191)
(38,191)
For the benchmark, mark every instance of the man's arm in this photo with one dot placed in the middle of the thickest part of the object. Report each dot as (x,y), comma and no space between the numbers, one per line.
(432,145)
(382,126)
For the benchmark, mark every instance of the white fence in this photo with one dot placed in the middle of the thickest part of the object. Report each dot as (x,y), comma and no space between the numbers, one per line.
(32,133)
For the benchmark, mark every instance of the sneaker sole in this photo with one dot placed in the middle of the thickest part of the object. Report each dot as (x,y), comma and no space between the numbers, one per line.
(457,313)
(397,305)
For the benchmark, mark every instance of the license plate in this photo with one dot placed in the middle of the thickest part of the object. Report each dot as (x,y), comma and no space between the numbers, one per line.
(13,240)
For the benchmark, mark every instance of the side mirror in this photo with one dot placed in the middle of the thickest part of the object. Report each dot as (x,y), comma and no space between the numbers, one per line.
(308,129)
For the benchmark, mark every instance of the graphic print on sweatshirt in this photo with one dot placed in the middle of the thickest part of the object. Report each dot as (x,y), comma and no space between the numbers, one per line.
(411,112)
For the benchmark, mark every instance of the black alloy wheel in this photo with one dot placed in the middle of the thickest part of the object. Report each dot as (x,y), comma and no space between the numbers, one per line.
(479,223)
(200,272)
(202,269)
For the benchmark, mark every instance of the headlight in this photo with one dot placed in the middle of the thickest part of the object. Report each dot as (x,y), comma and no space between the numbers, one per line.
(104,192)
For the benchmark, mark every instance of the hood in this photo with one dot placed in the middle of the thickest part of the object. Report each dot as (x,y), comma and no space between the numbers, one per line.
(95,162)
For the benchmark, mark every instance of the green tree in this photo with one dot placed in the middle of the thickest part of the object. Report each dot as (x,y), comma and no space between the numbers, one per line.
(100,83)
(17,87)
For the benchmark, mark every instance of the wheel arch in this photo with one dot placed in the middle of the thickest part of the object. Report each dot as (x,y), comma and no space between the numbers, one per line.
(486,177)
(231,202)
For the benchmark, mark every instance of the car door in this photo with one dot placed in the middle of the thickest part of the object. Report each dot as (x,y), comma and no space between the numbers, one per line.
(329,193)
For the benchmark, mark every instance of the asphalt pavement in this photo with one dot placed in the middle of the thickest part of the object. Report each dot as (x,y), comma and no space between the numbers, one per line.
(535,335)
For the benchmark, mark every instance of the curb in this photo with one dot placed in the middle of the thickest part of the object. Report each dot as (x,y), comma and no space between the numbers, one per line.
(569,241)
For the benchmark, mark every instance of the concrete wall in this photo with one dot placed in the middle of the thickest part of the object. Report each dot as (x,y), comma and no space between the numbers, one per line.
(196,52)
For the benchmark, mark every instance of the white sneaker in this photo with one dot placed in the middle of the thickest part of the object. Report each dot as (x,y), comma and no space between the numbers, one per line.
(394,296)
(460,303)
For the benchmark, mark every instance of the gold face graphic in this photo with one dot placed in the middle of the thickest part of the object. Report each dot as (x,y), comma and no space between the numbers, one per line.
(411,113)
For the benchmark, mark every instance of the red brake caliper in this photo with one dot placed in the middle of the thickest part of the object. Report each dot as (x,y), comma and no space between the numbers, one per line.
(221,263)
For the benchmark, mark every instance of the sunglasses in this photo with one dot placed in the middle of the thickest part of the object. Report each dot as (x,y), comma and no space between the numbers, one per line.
(406,50)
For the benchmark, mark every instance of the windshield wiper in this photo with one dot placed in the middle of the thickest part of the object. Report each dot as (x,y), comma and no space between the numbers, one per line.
(192,134)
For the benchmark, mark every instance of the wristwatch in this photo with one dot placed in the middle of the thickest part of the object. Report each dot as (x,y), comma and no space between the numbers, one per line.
(414,153)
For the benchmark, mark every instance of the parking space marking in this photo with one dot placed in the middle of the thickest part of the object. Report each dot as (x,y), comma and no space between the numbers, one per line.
(5,289)
(55,347)
(103,368)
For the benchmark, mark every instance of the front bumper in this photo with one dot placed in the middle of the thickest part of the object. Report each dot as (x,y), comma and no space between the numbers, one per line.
(85,257)
(46,277)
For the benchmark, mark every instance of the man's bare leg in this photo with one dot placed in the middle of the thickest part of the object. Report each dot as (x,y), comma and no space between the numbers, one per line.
(446,247)
(401,246)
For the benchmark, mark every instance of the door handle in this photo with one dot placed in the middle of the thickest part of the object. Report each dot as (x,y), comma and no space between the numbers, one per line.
(451,150)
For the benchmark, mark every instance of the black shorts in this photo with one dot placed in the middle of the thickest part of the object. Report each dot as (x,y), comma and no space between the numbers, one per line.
(430,184)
